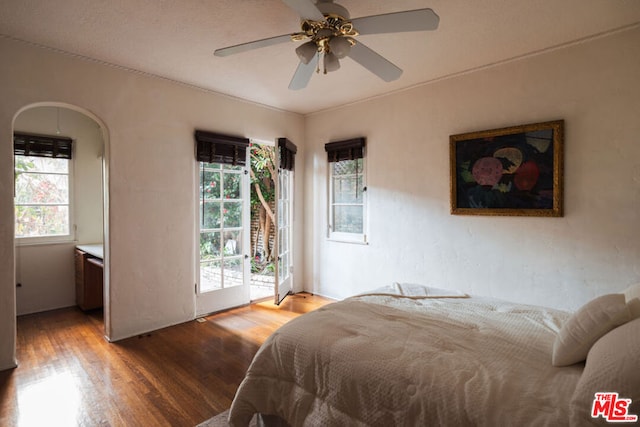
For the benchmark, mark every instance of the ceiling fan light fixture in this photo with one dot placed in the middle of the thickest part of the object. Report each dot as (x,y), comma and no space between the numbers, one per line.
(306,52)
(340,46)
(331,62)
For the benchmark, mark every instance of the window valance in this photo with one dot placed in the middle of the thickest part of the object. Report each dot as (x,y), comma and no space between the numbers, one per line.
(288,152)
(217,148)
(26,144)
(349,149)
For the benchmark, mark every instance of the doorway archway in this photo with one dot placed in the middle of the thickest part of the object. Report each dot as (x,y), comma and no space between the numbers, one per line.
(89,210)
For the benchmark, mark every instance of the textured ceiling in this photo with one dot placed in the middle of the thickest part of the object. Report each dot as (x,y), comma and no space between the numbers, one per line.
(175,39)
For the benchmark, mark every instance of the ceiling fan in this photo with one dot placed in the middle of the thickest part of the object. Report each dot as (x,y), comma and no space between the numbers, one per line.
(329,33)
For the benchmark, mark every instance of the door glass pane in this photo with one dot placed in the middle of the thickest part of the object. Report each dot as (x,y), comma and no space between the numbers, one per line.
(285,213)
(210,276)
(210,215)
(233,243)
(280,269)
(221,227)
(233,272)
(284,240)
(209,245)
(232,212)
(211,184)
(284,185)
(232,182)
(285,267)
(231,168)
(287,218)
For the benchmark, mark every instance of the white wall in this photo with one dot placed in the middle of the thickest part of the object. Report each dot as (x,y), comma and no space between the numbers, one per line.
(560,262)
(150,150)
(46,272)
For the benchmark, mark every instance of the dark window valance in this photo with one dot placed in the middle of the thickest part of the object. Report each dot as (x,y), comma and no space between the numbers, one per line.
(216,148)
(288,152)
(349,149)
(25,144)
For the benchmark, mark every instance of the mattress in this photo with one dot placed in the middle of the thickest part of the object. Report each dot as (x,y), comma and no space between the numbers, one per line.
(399,360)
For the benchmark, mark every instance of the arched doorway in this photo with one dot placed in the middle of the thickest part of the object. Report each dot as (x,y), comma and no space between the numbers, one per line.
(44,260)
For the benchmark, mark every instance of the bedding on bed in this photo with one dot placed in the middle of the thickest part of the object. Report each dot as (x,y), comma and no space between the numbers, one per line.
(388,360)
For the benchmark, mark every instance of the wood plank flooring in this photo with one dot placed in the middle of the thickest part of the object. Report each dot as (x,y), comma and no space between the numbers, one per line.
(68,375)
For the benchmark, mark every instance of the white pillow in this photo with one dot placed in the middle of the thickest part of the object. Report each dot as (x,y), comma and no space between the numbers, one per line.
(634,307)
(585,326)
(612,366)
(632,292)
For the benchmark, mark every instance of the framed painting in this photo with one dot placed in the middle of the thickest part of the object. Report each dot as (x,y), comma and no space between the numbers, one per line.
(514,171)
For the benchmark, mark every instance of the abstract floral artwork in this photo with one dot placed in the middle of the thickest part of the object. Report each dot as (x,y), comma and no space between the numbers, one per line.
(509,171)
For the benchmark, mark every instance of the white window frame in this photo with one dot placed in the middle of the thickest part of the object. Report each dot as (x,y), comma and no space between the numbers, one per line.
(58,238)
(336,236)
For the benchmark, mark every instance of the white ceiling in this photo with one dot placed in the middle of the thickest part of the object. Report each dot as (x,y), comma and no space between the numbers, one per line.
(175,39)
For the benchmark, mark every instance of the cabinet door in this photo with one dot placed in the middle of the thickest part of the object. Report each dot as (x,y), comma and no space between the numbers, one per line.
(93,286)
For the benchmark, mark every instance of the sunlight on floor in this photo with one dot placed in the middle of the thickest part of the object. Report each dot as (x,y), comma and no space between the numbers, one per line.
(54,400)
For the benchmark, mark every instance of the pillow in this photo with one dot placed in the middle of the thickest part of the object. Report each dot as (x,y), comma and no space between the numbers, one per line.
(612,366)
(632,292)
(634,307)
(585,326)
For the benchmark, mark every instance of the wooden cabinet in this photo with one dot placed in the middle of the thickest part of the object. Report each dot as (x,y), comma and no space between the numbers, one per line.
(89,280)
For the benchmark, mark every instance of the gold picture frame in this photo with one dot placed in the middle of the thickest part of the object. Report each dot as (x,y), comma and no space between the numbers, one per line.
(512,171)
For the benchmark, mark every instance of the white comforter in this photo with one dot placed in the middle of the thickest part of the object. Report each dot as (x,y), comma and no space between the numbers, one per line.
(383,360)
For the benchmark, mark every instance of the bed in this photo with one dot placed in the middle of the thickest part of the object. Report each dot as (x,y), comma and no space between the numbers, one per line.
(410,355)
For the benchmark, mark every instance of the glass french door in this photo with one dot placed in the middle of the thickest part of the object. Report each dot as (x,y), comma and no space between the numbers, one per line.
(223,243)
(284,266)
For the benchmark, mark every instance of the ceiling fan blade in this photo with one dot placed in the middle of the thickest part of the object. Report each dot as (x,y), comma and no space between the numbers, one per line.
(303,74)
(397,22)
(306,9)
(232,50)
(375,63)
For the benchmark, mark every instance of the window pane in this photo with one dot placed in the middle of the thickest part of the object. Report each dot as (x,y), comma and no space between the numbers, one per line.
(209,245)
(232,214)
(232,185)
(38,188)
(210,185)
(33,221)
(41,182)
(348,189)
(347,167)
(41,164)
(348,219)
(210,216)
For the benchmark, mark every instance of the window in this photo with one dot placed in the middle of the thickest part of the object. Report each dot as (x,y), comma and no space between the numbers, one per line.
(347,190)
(42,198)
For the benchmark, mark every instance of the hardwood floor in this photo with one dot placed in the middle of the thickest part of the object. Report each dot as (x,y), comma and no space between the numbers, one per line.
(69,375)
